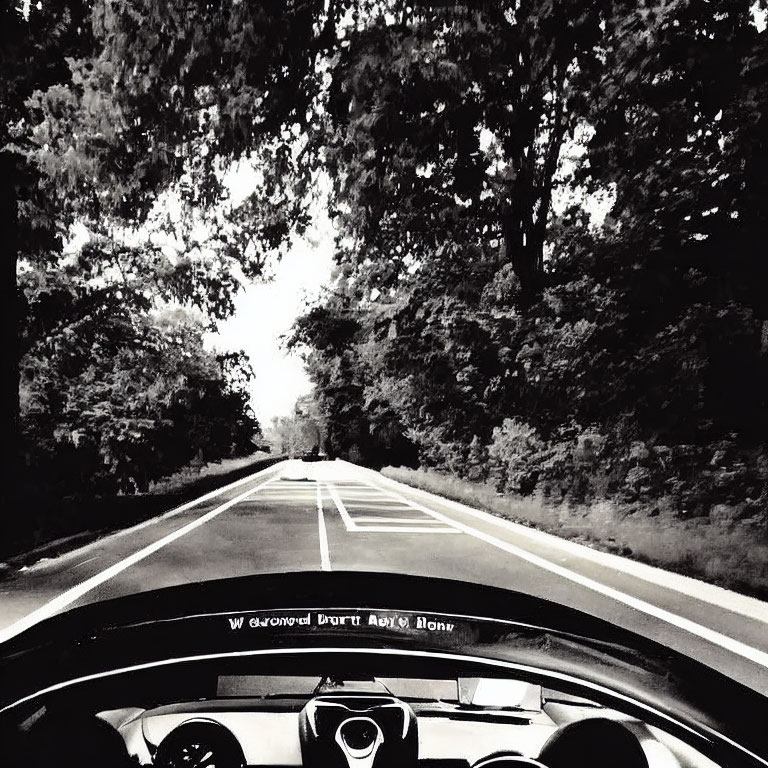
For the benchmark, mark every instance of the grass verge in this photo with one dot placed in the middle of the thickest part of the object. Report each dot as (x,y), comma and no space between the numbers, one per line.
(54,526)
(731,556)
(192,476)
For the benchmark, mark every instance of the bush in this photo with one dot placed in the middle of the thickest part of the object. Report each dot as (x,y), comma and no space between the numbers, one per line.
(515,453)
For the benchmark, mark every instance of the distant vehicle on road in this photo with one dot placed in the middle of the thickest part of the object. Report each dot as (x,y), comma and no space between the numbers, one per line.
(314,454)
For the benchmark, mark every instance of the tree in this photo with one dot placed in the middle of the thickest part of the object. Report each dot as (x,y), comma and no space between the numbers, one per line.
(307,409)
(461,300)
(32,56)
(678,125)
(136,155)
(293,435)
(113,398)
(442,136)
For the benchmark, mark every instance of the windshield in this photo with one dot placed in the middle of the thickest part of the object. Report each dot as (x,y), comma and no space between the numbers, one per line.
(452,289)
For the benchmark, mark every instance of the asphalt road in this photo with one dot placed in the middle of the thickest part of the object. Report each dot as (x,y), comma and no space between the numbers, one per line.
(335,516)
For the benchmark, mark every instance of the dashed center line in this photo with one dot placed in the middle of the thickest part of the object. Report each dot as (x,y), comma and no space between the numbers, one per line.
(325,555)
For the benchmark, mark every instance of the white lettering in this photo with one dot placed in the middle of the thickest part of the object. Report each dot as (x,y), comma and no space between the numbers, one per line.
(338,621)
(236,623)
(433,626)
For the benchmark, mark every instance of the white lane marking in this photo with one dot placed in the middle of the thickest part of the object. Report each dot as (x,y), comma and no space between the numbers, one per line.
(278,490)
(380,519)
(734,602)
(75,593)
(432,518)
(85,562)
(291,492)
(348,522)
(360,494)
(165,516)
(362,499)
(401,529)
(352,523)
(282,488)
(394,506)
(358,488)
(325,555)
(692,627)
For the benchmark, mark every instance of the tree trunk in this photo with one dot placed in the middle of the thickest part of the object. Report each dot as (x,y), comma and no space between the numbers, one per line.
(525,223)
(519,242)
(10,344)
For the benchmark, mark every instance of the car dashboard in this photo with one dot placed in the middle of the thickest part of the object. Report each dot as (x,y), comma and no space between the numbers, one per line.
(356,724)
(196,678)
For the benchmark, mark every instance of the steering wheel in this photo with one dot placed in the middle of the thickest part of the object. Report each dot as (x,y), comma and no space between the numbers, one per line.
(199,744)
(593,743)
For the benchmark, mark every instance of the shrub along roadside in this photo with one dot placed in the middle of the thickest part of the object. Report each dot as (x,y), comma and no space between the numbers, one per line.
(60,525)
(730,553)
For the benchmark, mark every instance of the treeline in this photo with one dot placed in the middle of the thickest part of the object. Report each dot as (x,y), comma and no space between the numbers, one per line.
(485,318)
(300,432)
(113,398)
(552,267)
(123,247)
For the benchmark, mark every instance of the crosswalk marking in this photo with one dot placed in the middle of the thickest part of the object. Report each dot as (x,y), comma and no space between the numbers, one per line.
(401,529)
(381,519)
(348,522)
(354,504)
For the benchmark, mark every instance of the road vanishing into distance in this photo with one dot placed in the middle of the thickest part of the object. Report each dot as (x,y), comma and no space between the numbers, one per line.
(335,516)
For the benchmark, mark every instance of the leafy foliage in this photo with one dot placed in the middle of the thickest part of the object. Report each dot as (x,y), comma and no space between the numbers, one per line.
(483,317)
(113,398)
(541,344)
(112,124)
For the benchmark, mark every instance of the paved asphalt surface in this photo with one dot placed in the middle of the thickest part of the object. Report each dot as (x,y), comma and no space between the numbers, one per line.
(335,516)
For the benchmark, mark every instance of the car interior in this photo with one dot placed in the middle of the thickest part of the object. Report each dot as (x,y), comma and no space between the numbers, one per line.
(352,713)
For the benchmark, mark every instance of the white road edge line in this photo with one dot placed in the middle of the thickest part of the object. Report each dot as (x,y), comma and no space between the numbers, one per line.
(325,555)
(164,516)
(705,633)
(734,602)
(349,523)
(74,593)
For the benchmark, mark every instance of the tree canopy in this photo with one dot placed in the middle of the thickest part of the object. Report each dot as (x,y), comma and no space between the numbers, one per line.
(485,308)
(485,315)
